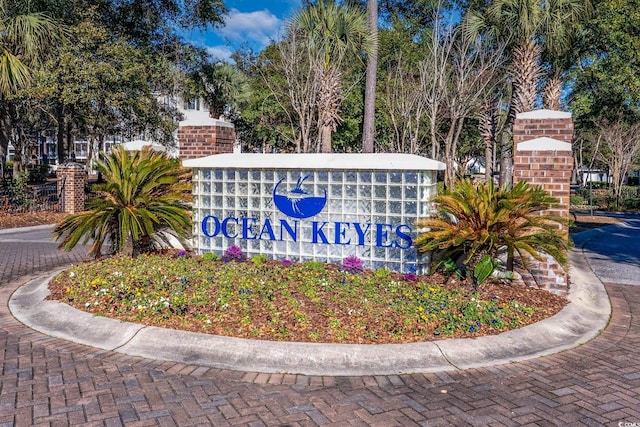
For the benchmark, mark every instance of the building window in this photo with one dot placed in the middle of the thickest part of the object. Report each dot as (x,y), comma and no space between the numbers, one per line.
(192,104)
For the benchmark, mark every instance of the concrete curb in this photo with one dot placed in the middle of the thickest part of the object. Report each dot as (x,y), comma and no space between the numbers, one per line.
(581,320)
(25,229)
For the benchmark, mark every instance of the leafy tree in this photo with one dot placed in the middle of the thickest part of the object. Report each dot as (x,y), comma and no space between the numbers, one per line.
(143,196)
(606,78)
(479,219)
(101,86)
(25,37)
(289,108)
(401,122)
(104,79)
(619,150)
(149,22)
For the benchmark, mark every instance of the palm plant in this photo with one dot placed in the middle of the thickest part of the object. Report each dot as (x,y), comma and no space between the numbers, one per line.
(476,220)
(24,38)
(143,195)
(530,27)
(334,33)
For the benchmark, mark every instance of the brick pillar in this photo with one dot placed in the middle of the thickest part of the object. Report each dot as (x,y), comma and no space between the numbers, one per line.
(195,141)
(71,183)
(543,158)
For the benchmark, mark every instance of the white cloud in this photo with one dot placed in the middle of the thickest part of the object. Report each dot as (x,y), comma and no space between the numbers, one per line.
(257,27)
(220,53)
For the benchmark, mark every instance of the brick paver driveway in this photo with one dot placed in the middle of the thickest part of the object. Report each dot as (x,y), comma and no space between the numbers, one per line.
(46,381)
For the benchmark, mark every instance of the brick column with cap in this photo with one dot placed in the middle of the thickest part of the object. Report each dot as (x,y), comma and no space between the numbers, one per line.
(71,184)
(543,157)
(195,141)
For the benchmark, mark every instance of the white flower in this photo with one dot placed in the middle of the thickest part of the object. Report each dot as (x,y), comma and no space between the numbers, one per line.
(72,274)
(87,304)
(208,321)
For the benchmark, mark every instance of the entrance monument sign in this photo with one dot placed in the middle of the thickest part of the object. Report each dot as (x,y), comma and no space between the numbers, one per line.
(322,207)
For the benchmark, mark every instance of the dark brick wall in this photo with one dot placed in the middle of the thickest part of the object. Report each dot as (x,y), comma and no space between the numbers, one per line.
(202,141)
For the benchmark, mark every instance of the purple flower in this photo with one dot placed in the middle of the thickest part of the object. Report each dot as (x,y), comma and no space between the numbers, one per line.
(352,264)
(286,263)
(181,254)
(410,277)
(233,253)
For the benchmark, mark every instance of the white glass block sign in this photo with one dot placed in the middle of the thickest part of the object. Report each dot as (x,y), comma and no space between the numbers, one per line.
(314,206)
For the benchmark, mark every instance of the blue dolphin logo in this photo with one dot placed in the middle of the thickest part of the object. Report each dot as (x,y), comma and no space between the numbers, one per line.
(297,203)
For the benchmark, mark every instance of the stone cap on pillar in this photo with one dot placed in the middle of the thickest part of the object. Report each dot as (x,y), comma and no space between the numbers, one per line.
(543,114)
(543,144)
(71,165)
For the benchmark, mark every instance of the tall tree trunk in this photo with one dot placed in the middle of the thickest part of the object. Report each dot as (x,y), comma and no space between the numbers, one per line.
(325,138)
(487,126)
(60,142)
(70,149)
(329,99)
(368,127)
(454,147)
(525,74)
(435,146)
(5,135)
(506,156)
(449,156)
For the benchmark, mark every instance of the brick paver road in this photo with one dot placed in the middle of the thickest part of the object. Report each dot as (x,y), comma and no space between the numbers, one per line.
(47,381)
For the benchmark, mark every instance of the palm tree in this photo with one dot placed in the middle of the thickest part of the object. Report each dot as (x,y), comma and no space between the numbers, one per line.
(224,86)
(479,219)
(24,40)
(143,195)
(336,34)
(530,26)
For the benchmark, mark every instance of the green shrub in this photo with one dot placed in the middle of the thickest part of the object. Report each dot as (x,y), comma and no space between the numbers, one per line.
(598,184)
(479,220)
(38,173)
(576,200)
(143,195)
(259,260)
(209,256)
(632,204)
(20,195)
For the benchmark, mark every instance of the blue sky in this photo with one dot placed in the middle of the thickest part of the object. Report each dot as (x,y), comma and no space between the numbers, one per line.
(248,21)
